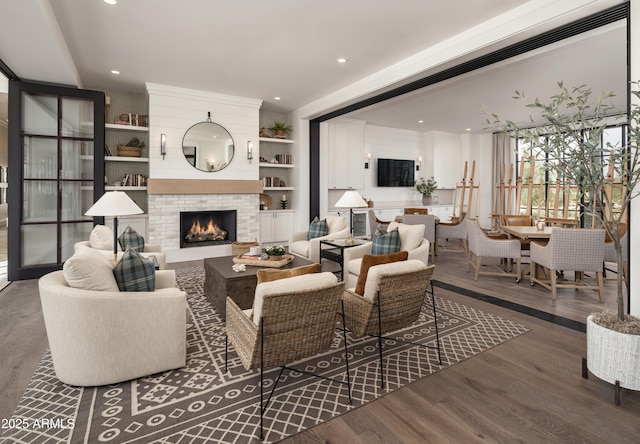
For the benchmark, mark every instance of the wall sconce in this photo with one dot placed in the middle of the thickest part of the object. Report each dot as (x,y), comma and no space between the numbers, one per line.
(249,150)
(211,164)
(419,163)
(367,161)
(163,145)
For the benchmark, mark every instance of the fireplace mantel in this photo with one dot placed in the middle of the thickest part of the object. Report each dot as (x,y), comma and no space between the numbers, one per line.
(203,186)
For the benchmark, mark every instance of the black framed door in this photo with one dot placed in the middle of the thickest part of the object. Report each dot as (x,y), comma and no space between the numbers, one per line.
(56,172)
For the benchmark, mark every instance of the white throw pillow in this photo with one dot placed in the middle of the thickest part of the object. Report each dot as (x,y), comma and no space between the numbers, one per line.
(101,238)
(312,281)
(89,269)
(335,223)
(410,235)
(371,286)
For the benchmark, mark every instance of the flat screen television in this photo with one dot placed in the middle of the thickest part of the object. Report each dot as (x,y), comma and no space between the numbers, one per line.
(395,173)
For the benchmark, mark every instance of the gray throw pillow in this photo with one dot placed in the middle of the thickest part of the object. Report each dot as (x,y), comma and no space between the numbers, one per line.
(131,239)
(385,242)
(317,228)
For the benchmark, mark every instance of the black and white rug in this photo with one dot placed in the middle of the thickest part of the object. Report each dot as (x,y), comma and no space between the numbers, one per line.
(201,403)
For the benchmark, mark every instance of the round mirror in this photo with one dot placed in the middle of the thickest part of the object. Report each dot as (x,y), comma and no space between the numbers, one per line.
(208,146)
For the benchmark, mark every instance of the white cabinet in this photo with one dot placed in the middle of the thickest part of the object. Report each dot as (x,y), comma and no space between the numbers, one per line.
(447,158)
(346,155)
(276,226)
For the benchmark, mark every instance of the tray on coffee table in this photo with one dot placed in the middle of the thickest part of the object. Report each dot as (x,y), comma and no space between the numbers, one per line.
(273,261)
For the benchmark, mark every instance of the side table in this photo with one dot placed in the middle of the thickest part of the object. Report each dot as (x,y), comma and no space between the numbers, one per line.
(334,249)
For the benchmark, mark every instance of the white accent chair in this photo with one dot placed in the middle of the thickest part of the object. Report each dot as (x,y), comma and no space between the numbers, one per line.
(309,249)
(99,335)
(482,246)
(570,249)
(429,222)
(455,230)
(101,239)
(411,240)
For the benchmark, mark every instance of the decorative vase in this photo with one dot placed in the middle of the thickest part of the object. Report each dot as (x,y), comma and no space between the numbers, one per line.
(613,356)
(426,199)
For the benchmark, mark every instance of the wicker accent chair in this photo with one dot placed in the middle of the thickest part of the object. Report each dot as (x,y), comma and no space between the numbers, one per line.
(291,319)
(429,222)
(393,298)
(482,246)
(570,249)
(456,230)
(374,222)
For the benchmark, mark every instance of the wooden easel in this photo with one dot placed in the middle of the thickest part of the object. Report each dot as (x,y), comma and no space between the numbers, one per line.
(473,192)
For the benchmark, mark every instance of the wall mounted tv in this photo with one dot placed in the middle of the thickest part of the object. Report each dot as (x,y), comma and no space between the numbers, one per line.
(395,173)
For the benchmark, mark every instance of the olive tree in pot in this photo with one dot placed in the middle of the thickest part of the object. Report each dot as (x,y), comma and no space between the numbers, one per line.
(567,131)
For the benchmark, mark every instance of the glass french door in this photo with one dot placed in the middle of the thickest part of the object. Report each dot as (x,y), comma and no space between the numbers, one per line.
(56,171)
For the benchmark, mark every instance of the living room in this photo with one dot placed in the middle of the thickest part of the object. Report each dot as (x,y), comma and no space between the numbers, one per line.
(176,105)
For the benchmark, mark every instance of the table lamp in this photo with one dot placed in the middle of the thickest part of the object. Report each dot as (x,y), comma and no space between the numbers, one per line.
(351,199)
(114,203)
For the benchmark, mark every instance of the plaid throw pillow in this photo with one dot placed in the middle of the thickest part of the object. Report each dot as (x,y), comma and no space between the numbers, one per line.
(131,239)
(318,228)
(385,242)
(135,273)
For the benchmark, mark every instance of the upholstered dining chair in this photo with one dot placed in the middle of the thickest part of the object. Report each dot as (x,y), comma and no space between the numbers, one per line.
(429,222)
(291,319)
(519,220)
(454,230)
(570,249)
(482,246)
(393,297)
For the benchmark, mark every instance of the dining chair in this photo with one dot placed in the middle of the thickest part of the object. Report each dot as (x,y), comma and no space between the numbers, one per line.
(416,211)
(519,220)
(570,249)
(482,246)
(454,230)
(374,222)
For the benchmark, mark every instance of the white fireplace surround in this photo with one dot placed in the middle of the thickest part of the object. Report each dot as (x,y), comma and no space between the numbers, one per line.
(164,221)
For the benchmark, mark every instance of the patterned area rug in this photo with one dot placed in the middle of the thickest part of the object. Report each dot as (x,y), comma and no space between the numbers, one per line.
(202,403)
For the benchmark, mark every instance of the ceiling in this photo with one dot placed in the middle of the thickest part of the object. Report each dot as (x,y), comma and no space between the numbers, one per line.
(263,49)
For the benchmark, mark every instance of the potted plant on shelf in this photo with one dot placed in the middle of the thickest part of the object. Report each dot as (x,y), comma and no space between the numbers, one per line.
(569,136)
(426,188)
(280,129)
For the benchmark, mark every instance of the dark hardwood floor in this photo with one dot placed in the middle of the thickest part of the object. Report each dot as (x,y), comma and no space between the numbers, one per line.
(529,389)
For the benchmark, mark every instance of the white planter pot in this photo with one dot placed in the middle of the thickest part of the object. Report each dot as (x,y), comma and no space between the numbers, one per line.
(613,356)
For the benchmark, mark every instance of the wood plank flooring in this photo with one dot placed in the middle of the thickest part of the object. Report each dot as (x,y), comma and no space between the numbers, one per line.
(529,389)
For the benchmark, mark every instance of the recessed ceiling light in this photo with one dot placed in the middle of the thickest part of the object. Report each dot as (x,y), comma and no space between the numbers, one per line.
(113,71)
(110,2)
(277,98)
(468,129)
(342,60)
(420,121)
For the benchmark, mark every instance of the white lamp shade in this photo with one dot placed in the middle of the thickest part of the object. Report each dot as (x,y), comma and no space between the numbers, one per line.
(351,199)
(114,203)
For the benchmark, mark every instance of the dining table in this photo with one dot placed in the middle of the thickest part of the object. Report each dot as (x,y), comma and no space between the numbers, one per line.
(526,231)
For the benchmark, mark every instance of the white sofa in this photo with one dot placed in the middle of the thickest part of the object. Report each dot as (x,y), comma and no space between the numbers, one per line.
(411,240)
(310,248)
(101,239)
(100,337)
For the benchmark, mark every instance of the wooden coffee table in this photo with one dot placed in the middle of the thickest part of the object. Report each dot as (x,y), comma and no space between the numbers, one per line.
(221,281)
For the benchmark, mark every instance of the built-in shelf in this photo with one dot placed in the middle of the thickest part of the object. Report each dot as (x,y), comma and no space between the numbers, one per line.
(275,165)
(123,188)
(125,159)
(126,127)
(279,188)
(274,140)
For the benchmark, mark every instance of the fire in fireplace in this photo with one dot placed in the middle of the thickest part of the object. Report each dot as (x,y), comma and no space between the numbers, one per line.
(203,228)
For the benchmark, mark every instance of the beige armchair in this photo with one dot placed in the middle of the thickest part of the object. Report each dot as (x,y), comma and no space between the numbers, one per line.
(429,222)
(100,337)
(411,240)
(309,249)
(570,249)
